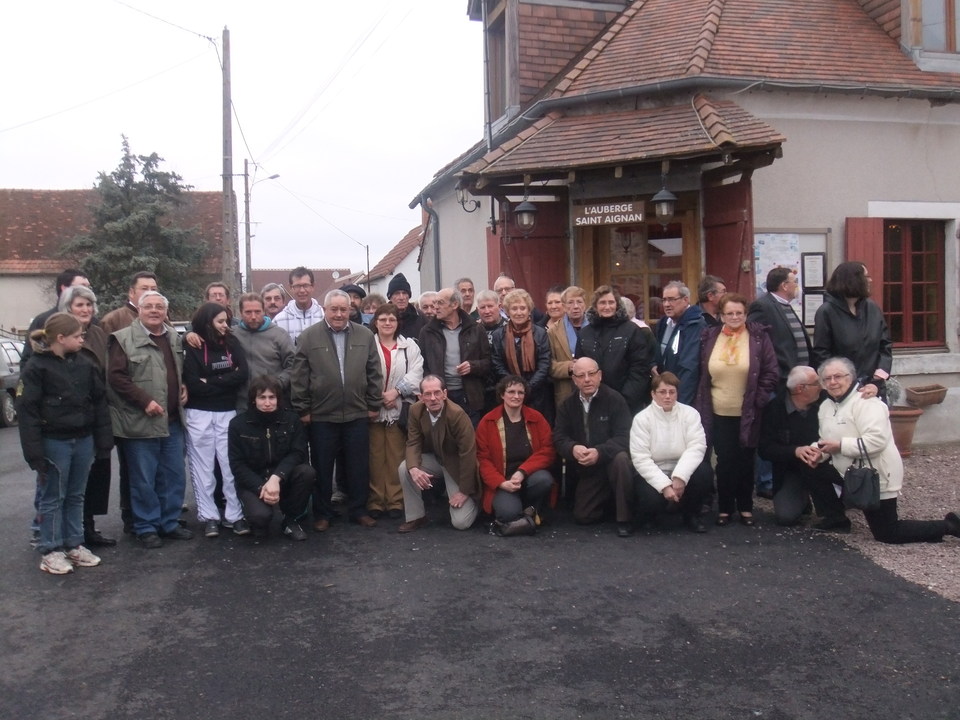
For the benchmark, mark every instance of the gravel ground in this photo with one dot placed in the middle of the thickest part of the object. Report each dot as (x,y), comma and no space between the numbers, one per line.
(931,489)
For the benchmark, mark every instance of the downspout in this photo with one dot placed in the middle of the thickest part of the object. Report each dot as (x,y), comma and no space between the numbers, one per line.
(427,205)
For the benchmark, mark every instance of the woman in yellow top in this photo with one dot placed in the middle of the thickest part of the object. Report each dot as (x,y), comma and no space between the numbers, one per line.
(738,376)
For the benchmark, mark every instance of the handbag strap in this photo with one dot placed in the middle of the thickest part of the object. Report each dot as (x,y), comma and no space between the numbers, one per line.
(863,453)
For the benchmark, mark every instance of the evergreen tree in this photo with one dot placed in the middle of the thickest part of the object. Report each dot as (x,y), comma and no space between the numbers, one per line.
(134,230)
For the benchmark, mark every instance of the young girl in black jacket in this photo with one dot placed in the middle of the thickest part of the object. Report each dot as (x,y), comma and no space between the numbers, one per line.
(64,424)
(214,373)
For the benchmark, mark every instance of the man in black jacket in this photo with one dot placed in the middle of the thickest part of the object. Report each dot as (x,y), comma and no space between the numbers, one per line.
(790,339)
(788,438)
(268,457)
(455,347)
(593,435)
(410,321)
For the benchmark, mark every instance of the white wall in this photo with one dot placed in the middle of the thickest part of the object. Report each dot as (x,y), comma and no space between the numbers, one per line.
(22,297)
(463,242)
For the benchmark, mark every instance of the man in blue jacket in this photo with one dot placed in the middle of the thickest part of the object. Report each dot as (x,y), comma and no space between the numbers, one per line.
(678,339)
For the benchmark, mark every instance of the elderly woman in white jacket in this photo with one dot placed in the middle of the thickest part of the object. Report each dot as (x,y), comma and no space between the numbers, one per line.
(848,415)
(668,449)
(401,365)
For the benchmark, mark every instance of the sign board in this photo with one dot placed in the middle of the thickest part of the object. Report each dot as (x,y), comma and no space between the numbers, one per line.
(608,212)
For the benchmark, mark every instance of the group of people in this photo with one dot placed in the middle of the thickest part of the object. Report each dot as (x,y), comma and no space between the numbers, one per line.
(476,399)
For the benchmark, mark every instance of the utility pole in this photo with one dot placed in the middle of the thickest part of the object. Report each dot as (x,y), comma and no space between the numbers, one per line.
(246,222)
(230,251)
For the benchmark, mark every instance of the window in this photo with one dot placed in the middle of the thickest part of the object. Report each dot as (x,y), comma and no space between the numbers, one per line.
(913,282)
(939,20)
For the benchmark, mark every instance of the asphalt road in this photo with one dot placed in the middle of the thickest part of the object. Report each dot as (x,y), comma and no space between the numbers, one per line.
(572,623)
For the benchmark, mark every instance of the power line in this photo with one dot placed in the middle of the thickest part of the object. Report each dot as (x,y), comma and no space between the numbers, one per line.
(165,22)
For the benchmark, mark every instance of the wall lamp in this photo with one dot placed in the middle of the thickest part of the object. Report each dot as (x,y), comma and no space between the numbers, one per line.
(525,216)
(464,202)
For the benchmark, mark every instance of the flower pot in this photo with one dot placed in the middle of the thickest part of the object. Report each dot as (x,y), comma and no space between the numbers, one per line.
(903,422)
(924,395)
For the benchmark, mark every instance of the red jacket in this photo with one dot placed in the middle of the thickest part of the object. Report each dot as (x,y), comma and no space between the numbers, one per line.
(491,455)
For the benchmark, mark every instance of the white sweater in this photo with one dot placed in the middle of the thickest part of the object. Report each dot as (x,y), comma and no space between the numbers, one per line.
(665,445)
(869,418)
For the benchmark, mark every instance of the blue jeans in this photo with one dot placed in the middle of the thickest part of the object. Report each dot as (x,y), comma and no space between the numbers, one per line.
(61,490)
(157,480)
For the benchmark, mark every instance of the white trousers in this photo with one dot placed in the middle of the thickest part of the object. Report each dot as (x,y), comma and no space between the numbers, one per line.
(206,442)
(461,518)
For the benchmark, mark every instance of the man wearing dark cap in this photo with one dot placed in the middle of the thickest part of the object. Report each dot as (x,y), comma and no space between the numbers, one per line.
(411,322)
(357,294)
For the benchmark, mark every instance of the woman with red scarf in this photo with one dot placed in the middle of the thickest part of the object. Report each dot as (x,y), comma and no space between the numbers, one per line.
(522,348)
(738,376)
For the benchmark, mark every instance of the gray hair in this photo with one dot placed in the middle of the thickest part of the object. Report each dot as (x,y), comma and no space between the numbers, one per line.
(456,298)
(681,288)
(628,306)
(337,292)
(486,295)
(426,295)
(798,376)
(273,286)
(847,365)
(153,293)
(71,293)
(462,280)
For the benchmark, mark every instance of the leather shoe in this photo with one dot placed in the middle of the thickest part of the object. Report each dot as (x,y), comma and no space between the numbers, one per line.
(838,523)
(624,530)
(695,523)
(952,521)
(150,541)
(321,525)
(412,525)
(179,533)
(94,538)
(364,521)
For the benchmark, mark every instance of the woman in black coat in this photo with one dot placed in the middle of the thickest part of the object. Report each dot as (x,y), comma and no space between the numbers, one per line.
(520,347)
(623,350)
(849,324)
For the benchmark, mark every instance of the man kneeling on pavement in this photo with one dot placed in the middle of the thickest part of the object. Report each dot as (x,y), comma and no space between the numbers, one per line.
(788,438)
(268,457)
(440,444)
(592,434)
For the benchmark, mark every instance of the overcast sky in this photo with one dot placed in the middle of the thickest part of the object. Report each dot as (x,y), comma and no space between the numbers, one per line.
(354,105)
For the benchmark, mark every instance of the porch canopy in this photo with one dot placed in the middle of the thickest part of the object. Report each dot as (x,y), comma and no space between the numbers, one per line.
(558,145)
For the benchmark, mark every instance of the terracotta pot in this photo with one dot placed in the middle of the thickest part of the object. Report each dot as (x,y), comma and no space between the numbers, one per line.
(903,421)
(925,395)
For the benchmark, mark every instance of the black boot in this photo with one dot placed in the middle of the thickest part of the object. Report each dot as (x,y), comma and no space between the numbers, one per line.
(92,536)
(952,521)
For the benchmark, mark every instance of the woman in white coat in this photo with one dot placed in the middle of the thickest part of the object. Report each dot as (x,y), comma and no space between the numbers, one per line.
(848,415)
(401,365)
(668,449)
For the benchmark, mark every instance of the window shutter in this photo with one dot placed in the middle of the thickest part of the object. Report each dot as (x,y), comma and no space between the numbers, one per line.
(864,243)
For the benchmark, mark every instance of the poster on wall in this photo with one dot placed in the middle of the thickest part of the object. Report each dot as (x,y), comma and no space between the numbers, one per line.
(772,250)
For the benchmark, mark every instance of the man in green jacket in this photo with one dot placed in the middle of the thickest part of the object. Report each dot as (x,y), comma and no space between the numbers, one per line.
(336,387)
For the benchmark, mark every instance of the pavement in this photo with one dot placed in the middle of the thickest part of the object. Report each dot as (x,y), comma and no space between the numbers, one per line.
(571,623)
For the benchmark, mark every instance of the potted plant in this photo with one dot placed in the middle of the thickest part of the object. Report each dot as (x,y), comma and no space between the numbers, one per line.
(903,418)
(925,395)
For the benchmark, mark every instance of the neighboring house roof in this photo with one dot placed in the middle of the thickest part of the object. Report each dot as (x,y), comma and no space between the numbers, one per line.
(410,242)
(324,279)
(558,142)
(817,44)
(34,224)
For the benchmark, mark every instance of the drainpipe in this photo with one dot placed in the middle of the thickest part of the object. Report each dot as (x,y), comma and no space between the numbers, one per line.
(427,205)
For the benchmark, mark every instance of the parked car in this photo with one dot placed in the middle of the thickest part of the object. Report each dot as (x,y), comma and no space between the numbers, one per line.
(10,354)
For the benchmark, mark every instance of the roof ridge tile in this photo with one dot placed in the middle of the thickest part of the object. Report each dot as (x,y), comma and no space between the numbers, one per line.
(712,122)
(708,33)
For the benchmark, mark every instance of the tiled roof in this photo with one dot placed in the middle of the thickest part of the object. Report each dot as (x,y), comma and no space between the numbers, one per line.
(410,242)
(829,43)
(35,223)
(556,142)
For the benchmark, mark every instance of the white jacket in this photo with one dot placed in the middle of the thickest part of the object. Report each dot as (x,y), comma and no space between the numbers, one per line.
(664,445)
(406,372)
(869,418)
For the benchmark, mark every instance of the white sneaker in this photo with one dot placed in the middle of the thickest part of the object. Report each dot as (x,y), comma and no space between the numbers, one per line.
(56,563)
(81,557)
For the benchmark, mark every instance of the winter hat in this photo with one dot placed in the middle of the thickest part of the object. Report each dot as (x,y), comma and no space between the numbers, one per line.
(398,282)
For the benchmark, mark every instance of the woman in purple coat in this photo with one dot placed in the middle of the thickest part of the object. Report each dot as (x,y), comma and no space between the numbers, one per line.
(738,376)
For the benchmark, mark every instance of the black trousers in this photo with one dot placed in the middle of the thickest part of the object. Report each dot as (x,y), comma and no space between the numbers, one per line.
(734,466)
(651,503)
(792,488)
(96,497)
(596,484)
(295,492)
(887,527)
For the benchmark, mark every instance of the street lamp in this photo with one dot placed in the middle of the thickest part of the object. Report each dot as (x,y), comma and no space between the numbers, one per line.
(246,216)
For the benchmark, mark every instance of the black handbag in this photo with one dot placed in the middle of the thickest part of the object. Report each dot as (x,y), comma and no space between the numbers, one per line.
(861,483)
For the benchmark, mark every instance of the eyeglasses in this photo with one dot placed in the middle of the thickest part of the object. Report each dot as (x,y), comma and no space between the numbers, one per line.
(583,376)
(835,378)
(672,299)
(302,286)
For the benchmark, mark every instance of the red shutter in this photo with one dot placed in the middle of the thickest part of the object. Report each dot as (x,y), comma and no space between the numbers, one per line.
(728,230)
(864,243)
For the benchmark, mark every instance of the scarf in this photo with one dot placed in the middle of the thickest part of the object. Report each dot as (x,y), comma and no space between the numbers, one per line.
(730,350)
(572,335)
(519,356)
